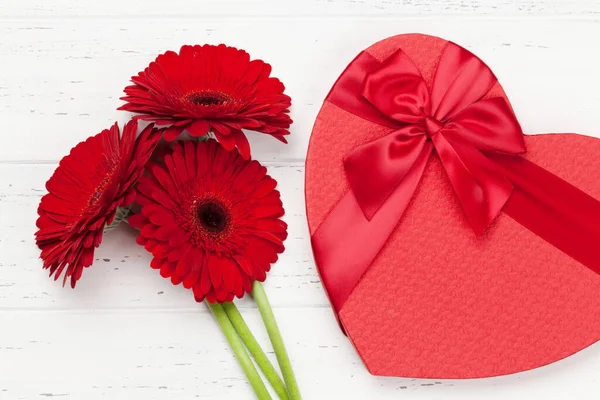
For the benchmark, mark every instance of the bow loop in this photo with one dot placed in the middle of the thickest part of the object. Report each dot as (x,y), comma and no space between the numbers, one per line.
(460,80)
(491,126)
(453,115)
(398,90)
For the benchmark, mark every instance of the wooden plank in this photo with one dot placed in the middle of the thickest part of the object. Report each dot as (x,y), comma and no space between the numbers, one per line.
(95,354)
(121,276)
(177,355)
(61,79)
(334,8)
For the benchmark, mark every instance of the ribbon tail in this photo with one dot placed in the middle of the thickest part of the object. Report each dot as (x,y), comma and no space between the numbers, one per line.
(374,169)
(479,184)
(346,243)
(558,212)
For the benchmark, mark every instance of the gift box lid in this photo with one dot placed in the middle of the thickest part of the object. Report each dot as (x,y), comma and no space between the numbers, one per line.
(420,290)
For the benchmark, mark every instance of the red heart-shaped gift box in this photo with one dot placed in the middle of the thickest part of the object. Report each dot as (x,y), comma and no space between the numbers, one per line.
(438,300)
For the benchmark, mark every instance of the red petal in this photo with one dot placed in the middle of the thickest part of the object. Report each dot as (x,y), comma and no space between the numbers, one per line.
(214,267)
(173,132)
(198,128)
(242,144)
(137,221)
(227,141)
(183,266)
(195,260)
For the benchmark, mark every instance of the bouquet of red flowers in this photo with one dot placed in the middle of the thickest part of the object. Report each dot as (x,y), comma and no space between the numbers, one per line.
(210,216)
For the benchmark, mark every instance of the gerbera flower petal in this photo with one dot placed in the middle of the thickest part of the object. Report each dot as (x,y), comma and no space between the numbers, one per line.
(221,230)
(227,141)
(172,132)
(241,142)
(215,269)
(183,265)
(167,269)
(221,128)
(196,261)
(204,285)
(198,128)
(190,159)
(210,87)
(83,194)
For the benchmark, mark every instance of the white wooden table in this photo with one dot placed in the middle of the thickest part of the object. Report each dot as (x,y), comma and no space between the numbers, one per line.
(125,333)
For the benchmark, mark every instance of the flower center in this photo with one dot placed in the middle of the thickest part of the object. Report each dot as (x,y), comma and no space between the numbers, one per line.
(94,198)
(207,98)
(213,217)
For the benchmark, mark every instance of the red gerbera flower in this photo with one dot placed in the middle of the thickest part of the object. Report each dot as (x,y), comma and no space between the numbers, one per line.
(210,219)
(211,88)
(84,193)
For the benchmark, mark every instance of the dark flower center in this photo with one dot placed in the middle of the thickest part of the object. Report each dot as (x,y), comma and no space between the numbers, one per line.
(213,217)
(207,98)
(94,198)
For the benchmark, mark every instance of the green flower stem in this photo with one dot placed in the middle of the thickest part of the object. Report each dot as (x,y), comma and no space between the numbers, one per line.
(240,352)
(255,350)
(282,357)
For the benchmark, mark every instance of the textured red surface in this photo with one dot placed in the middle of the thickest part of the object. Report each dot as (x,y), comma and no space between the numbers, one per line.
(439,302)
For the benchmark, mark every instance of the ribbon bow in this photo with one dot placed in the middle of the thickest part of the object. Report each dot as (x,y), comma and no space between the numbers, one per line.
(479,142)
(453,117)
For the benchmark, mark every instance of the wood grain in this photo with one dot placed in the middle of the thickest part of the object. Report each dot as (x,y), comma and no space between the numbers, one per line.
(331,8)
(126,333)
(61,79)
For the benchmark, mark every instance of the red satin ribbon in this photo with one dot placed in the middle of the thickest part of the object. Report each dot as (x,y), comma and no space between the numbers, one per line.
(479,142)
